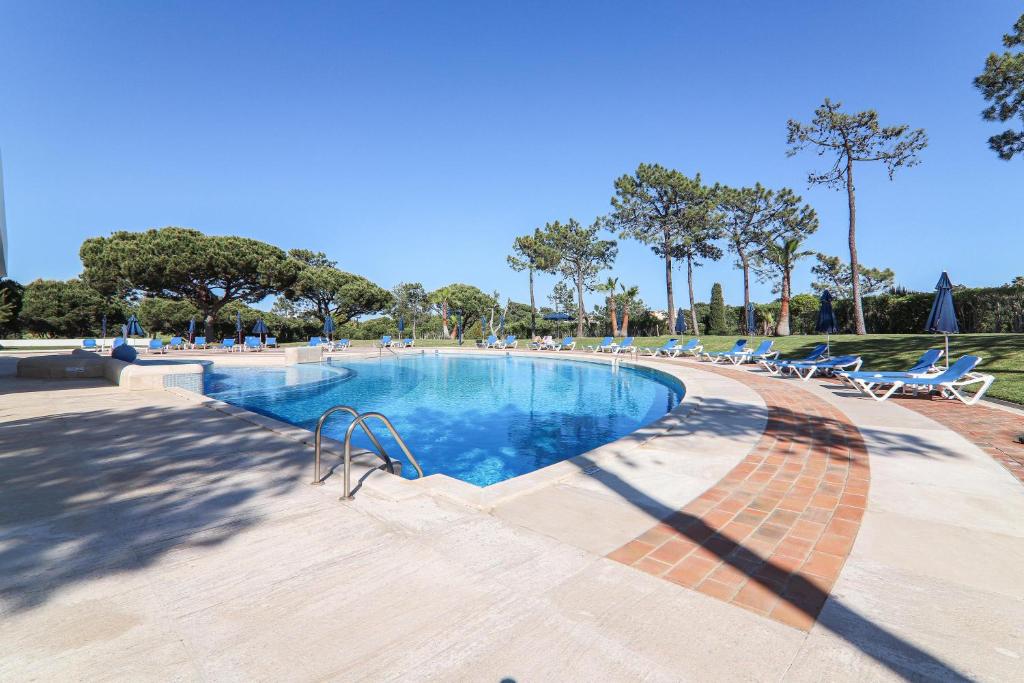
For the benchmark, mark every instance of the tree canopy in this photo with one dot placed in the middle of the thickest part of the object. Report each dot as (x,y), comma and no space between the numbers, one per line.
(658,206)
(832,274)
(582,256)
(468,300)
(848,139)
(61,308)
(210,271)
(532,253)
(1002,84)
(322,288)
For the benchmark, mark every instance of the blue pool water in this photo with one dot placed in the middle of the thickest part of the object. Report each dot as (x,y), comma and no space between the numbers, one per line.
(481,419)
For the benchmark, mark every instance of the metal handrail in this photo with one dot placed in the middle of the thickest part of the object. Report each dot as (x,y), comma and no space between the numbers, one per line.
(318,439)
(361,420)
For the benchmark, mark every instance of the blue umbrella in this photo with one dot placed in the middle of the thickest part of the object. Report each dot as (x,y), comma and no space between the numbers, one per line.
(458,325)
(191,330)
(501,325)
(401,326)
(133,328)
(238,325)
(942,318)
(328,326)
(680,324)
(826,322)
(751,320)
(260,327)
(483,319)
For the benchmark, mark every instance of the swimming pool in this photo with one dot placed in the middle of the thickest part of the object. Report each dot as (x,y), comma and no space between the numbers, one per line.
(481,419)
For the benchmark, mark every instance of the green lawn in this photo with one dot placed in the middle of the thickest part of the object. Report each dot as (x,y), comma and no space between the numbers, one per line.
(1002,354)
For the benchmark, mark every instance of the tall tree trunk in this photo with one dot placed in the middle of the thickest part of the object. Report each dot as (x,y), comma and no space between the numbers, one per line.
(533,309)
(209,317)
(782,326)
(580,313)
(613,313)
(693,308)
(745,264)
(668,284)
(858,310)
(625,320)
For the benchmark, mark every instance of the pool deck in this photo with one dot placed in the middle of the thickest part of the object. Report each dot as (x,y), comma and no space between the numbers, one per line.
(148,535)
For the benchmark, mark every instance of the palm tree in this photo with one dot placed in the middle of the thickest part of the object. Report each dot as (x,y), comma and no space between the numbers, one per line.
(532,253)
(610,286)
(628,295)
(776,261)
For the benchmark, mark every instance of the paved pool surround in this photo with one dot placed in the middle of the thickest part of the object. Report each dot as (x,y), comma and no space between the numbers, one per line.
(184,541)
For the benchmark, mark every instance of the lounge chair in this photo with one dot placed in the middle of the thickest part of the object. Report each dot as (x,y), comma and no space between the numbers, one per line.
(924,367)
(776,365)
(604,345)
(90,345)
(567,344)
(665,348)
(271,342)
(407,343)
(545,342)
(385,341)
(949,382)
(825,366)
(716,356)
(227,344)
(692,347)
(315,341)
(199,343)
(156,346)
(176,343)
(343,344)
(488,343)
(625,347)
(509,342)
(763,351)
(252,344)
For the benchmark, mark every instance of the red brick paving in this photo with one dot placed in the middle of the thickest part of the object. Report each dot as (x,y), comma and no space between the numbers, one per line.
(774,533)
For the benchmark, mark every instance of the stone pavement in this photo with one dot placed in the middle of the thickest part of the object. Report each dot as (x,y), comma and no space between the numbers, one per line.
(147,537)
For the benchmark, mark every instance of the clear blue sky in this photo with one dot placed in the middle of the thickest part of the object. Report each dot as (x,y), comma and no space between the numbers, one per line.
(413,141)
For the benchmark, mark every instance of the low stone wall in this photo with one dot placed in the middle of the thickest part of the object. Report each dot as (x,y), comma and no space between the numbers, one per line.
(293,355)
(132,376)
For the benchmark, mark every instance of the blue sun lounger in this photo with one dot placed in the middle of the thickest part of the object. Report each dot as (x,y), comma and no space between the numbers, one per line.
(89,344)
(807,369)
(567,344)
(509,342)
(625,347)
(665,348)
(692,347)
(925,365)
(488,343)
(603,345)
(715,356)
(777,365)
(949,382)
(764,351)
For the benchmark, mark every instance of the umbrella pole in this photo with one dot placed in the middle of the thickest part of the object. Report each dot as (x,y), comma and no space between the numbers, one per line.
(947,351)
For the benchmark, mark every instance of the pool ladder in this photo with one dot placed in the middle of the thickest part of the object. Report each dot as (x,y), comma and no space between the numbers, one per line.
(360,420)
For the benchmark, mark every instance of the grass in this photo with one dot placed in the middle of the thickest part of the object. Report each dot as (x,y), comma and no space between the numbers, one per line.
(1002,354)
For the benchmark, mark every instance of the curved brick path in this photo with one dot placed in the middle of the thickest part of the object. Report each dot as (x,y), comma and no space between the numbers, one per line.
(774,533)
